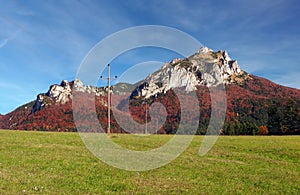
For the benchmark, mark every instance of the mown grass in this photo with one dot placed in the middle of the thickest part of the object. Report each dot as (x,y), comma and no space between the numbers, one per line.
(59,163)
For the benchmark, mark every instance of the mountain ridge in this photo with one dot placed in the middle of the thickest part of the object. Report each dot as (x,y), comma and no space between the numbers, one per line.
(252,102)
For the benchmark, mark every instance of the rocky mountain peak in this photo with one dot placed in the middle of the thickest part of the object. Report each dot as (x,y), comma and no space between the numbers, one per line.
(56,94)
(61,94)
(205,67)
(204,50)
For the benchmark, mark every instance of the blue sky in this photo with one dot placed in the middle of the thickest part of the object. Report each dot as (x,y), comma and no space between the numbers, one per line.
(44,42)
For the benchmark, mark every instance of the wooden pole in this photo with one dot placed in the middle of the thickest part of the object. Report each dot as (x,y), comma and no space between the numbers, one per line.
(108,100)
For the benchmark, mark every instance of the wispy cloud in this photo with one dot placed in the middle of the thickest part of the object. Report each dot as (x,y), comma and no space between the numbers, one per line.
(7,39)
(3,42)
(7,85)
(289,79)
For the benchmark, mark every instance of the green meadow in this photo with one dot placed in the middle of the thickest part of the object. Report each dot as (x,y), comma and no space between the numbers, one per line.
(59,163)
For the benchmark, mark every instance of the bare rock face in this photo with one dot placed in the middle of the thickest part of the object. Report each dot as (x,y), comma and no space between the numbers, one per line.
(41,102)
(56,94)
(63,93)
(205,67)
(60,93)
(80,87)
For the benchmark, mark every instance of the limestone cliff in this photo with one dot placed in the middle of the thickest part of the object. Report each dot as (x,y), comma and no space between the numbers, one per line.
(205,67)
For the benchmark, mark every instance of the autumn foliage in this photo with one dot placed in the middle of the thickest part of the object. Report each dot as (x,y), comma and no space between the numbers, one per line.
(258,106)
(263,130)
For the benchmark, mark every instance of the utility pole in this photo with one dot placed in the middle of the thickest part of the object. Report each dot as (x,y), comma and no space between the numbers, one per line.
(146,120)
(108,99)
(108,96)
(146,116)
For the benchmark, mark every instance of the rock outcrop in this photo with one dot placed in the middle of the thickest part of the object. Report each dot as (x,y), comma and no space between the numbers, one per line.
(61,94)
(56,94)
(79,86)
(205,67)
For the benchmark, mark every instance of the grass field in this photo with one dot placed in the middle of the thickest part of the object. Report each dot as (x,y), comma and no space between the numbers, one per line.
(59,163)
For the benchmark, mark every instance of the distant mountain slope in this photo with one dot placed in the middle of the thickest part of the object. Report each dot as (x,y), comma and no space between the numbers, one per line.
(252,102)
(263,103)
